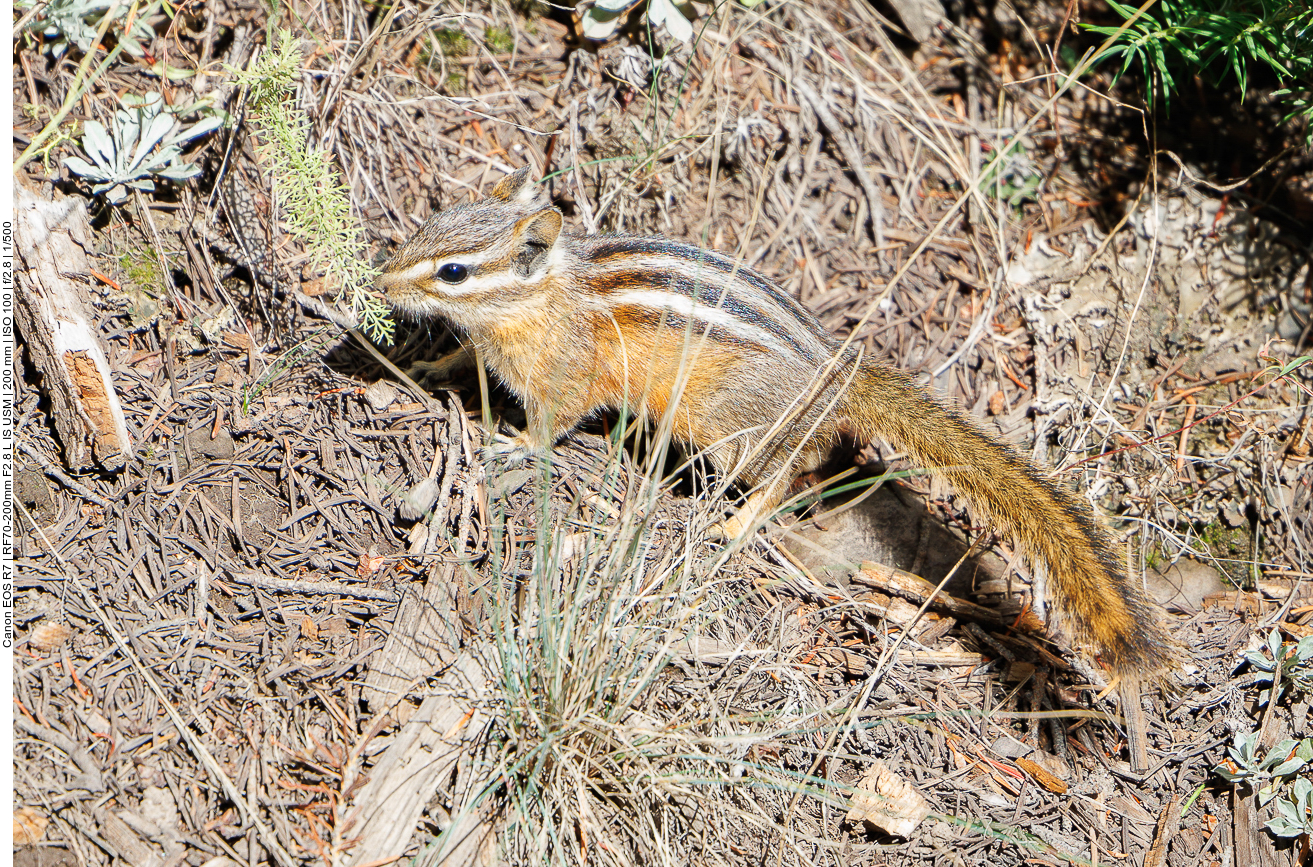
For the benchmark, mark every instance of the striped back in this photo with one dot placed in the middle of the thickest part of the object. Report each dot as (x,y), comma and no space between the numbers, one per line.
(703,291)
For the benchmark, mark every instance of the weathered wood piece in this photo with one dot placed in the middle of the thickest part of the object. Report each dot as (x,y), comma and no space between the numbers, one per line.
(429,755)
(425,638)
(53,312)
(423,760)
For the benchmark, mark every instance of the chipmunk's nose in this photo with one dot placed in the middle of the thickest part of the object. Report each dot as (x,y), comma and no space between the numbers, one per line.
(385,283)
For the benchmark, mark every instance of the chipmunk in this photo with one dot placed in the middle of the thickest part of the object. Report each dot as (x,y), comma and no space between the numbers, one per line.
(575,324)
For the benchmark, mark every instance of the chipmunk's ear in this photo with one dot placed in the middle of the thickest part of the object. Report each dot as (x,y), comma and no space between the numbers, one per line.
(535,236)
(542,229)
(518,188)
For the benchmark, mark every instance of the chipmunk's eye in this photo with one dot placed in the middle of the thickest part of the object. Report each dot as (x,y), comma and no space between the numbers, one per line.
(453,273)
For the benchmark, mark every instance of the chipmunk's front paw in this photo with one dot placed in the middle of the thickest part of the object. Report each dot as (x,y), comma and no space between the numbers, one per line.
(729,529)
(509,451)
(428,374)
(435,373)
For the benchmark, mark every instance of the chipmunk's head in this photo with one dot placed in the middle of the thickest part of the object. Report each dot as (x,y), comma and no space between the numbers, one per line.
(479,259)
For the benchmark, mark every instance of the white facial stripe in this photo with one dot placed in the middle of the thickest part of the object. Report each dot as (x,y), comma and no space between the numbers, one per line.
(469,286)
(473,260)
(418,271)
(426,267)
(690,309)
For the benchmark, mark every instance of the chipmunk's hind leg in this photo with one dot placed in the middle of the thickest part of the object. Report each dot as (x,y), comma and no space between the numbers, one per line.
(772,484)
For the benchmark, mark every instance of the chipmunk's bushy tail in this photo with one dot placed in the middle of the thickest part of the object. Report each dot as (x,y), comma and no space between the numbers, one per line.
(1091,590)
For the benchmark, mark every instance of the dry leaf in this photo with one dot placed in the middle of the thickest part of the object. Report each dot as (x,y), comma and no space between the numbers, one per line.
(49,635)
(335,627)
(888,802)
(370,562)
(381,394)
(29,826)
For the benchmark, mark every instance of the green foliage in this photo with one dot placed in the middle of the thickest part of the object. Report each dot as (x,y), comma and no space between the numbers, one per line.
(65,22)
(1294,816)
(1015,179)
(61,135)
(289,359)
(1276,774)
(1283,665)
(603,18)
(1220,39)
(1286,370)
(1280,764)
(316,204)
(452,43)
(143,284)
(147,141)
(499,40)
(1275,777)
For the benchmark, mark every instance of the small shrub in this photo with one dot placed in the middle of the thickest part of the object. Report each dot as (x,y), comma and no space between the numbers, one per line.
(316,203)
(76,22)
(1220,39)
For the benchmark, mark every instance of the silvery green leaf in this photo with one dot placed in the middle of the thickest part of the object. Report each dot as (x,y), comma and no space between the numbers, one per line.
(666,12)
(598,24)
(145,184)
(616,6)
(79,166)
(97,143)
(159,127)
(125,140)
(1282,827)
(1243,749)
(197,129)
(1289,766)
(1259,660)
(131,45)
(172,73)
(1278,753)
(1229,775)
(163,157)
(179,172)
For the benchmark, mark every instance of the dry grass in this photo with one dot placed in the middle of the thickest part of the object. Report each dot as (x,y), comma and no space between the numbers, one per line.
(657,699)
